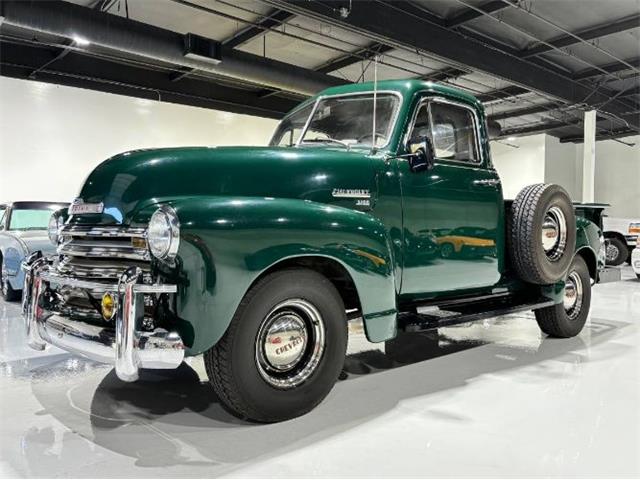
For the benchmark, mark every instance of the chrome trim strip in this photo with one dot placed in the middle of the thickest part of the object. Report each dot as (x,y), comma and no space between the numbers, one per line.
(123,252)
(93,231)
(58,279)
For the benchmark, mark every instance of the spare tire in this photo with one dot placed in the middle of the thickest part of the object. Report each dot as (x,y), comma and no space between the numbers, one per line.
(541,233)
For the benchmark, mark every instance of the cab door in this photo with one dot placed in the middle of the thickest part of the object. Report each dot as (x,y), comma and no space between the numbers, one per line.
(452,213)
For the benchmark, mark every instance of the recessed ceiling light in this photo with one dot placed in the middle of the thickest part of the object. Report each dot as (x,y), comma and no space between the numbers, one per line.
(511,139)
(80,41)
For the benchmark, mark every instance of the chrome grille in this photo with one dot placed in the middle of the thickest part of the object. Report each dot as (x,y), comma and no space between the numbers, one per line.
(102,253)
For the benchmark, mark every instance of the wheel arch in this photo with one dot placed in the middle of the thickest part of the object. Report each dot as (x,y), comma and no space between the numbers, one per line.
(590,258)
(331,268)
(615,234)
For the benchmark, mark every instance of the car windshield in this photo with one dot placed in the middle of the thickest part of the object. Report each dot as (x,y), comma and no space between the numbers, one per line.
(344,120)
(29,219)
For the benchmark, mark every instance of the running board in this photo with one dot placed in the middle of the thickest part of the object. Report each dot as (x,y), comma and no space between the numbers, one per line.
(454,314)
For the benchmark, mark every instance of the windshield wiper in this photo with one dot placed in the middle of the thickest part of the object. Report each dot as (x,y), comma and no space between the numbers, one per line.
(327,140)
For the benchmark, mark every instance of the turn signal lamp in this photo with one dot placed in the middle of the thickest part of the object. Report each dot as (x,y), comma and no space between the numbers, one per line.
(108,306)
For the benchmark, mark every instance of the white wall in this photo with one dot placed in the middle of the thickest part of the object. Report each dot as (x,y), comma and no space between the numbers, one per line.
(563,166)
(542,158)
(52,136)
(618,176)
(521,164)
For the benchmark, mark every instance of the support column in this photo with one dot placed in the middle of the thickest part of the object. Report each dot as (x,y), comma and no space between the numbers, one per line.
(589,157)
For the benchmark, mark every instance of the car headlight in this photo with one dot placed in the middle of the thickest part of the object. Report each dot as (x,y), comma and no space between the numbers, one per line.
(163,235)
(53,229)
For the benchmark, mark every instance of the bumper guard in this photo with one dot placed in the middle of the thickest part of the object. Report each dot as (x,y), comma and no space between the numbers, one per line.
(128,348)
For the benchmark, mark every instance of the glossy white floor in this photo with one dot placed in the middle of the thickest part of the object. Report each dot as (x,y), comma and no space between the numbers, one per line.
(489,399)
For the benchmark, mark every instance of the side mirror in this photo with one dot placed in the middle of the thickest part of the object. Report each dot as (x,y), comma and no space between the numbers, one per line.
(423,157)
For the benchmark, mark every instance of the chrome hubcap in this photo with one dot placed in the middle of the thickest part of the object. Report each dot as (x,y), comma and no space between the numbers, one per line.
(290,343)
(573,295)
(554,233)
(612,251)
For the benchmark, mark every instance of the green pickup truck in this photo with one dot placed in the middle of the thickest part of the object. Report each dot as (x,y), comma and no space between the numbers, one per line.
(370,202)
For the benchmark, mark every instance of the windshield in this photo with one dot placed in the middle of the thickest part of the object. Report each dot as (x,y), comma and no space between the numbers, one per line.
(29,219)
(343,120)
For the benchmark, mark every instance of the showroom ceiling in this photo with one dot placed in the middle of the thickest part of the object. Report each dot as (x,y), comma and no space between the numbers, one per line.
(537,65)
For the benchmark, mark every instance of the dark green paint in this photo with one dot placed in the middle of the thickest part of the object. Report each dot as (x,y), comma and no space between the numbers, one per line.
(243,210)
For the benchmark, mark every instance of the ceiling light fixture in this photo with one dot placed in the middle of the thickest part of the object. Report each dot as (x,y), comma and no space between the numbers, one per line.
(80,41)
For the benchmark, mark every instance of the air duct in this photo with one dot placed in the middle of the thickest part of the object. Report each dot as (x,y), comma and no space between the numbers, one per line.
(132,37)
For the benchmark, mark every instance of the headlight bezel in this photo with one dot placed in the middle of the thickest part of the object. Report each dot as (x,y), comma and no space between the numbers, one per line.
(53,231)
(167,218)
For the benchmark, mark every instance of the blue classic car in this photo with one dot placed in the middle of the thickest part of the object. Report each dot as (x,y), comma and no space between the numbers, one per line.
(23,230)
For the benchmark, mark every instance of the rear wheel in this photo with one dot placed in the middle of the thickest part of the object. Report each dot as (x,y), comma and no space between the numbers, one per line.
(567,319)
(284,348)
(616,251)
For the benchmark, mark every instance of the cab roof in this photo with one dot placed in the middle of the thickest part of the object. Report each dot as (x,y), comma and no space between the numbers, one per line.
(407,88)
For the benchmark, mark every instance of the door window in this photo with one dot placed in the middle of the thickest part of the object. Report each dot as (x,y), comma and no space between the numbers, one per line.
(453,132)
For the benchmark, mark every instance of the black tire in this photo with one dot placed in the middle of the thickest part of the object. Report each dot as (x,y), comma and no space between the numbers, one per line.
(233,365)
(614,244)
(7,292)
(557,320)
(524,235)
(447,250)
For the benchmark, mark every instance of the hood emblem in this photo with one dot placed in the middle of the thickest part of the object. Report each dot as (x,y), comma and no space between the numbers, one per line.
(78,207)
(351,193)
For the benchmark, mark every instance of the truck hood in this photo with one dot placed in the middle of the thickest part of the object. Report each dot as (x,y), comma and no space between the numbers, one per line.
(130,182)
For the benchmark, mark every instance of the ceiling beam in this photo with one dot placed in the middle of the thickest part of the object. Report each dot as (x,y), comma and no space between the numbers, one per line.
(122,37)
(629,92)
(84,71)
(539,128)
(601,136)
(471,14)
(404,25)
(624,24)
(610,68)
(444,74)
(545,127)
(354,57)
(501,94)
(272,19)
(521,112)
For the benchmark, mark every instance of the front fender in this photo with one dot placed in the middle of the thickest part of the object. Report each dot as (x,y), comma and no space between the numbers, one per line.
(226,243)
(588,238)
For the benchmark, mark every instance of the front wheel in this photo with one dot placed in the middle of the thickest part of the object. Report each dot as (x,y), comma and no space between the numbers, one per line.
(567,319)
(284,348)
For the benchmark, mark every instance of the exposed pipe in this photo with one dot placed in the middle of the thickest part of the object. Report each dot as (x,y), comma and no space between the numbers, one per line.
(136,38)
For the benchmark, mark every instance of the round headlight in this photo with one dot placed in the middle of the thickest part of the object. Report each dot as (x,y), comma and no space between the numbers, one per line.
(53,229)
(164,233)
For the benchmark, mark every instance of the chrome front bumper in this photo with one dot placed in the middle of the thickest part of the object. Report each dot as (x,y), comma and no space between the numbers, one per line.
(126,347)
